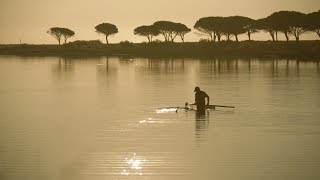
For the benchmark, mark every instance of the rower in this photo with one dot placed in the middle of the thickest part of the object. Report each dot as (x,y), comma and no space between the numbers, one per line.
(200,101)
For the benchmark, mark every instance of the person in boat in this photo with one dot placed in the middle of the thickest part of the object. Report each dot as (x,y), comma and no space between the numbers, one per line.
(200,101)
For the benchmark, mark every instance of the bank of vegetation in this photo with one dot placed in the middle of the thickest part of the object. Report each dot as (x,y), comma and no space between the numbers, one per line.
(280,49)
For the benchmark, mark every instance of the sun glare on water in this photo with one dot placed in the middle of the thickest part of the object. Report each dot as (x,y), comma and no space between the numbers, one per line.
(135,166)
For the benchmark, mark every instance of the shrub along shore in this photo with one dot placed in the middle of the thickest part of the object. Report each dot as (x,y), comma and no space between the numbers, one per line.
(245,49)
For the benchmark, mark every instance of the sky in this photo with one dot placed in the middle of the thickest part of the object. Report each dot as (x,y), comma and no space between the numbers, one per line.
(29,20)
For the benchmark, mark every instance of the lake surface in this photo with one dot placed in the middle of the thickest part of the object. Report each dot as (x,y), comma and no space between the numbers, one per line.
(95,118)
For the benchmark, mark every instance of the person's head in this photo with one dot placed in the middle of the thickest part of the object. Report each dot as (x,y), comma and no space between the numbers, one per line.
(196,89)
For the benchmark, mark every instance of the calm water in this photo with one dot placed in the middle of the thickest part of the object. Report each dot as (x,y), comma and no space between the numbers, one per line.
(95,118)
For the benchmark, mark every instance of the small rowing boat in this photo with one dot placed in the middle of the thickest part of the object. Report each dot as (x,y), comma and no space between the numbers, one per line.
(189,107)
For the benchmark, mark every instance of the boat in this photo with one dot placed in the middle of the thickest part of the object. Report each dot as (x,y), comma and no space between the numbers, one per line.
(189,107)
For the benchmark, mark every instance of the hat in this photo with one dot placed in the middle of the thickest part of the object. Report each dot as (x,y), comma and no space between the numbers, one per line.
(196,89)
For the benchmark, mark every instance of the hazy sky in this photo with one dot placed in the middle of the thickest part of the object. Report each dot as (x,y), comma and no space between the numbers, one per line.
(30,19)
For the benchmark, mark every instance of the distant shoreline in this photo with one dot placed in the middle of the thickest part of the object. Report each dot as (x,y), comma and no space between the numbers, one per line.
(244,49)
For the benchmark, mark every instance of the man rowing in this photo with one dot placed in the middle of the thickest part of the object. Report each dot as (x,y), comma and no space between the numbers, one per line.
(200,101)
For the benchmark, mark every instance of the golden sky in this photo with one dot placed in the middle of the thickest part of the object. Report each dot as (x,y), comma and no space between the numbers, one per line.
(29,20)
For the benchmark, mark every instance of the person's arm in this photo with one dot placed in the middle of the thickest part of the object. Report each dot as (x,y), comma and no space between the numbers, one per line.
(195,100)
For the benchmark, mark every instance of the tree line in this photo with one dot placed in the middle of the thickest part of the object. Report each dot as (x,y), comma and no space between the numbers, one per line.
(290,23)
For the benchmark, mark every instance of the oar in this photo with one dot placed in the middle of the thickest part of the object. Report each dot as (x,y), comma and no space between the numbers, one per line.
(213,106)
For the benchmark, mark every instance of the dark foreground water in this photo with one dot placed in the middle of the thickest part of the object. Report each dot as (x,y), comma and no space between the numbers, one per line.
(95,118)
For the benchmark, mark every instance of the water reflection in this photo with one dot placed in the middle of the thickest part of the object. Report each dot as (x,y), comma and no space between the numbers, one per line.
(216,66)
(64,65)
(202,123)
(91,131)
(63,69)
(134,165)
(165,66)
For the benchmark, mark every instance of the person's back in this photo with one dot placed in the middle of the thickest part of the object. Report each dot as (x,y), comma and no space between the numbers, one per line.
(200,98)
(200,101)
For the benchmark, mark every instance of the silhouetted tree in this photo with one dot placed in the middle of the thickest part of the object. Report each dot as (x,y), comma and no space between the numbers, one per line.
(288,22)
(234,26)
(210,26)
(66,33)
(297,24)
(148,31)
(248,25)
(56,32)
(313,22)
(228,27)
(107,29)
(281,21)
(181,30)
(203,26)
(250,29)
(267,25)
(166,28)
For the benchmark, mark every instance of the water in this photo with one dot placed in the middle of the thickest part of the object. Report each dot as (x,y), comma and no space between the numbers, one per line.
(95,118)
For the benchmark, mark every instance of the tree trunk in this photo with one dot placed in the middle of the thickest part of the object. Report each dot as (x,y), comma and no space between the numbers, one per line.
(107,39)
(214,37)
(228,37)
(249,35)
(286,34)
(297,38)
(236,35)
(219,37)
(167,37)
(148,38)
(171,37)
(318,32)
(277,35)
(272,35)
(182,38)
(59,41)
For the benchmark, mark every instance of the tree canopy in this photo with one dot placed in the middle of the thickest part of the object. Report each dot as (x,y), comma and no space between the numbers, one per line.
(288,22)
(297,24)
(181,30)
(56,32)
(281,21)
(66,33)
(106,29)
(59,32)
(170,30)
(216,26)
(166,29)
(268,26)
(210,26)
(313,22)
(242,25)
(148,31)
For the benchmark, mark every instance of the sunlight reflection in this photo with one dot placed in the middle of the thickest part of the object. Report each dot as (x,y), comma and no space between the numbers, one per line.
(135,166)
(166,110)
(149,120)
